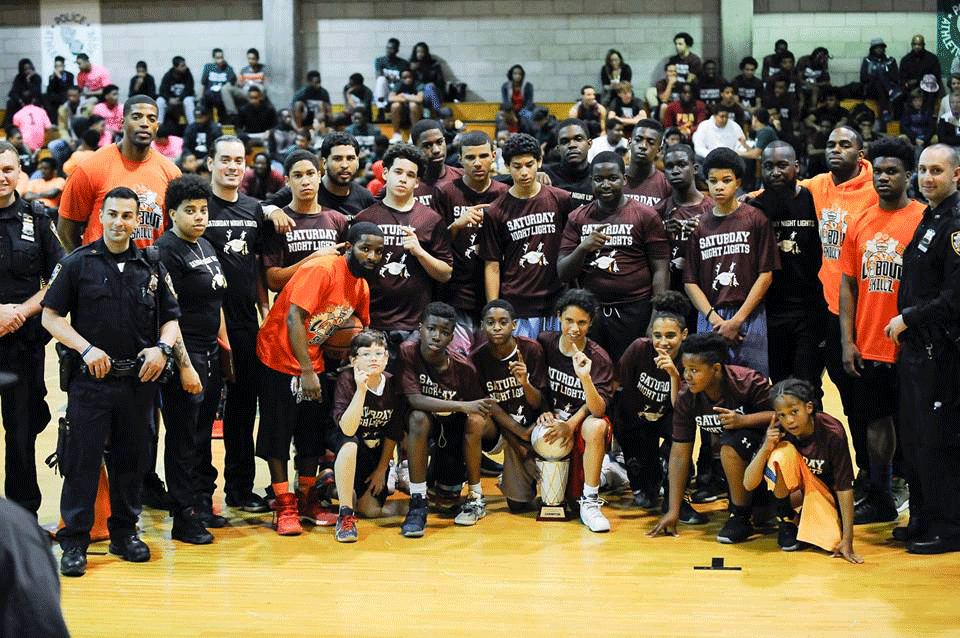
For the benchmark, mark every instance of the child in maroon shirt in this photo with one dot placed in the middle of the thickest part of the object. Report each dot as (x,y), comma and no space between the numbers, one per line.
(645,183)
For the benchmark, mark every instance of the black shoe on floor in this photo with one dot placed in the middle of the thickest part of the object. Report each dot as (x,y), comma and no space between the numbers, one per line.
(210,520)
(736,530)
(787,536)
(188,528)
(73,562)
(861,487)
(154,494)
(248,502)
(643,500)
(876,509)
(489,467)
(909,532)
(130,548)
(935,543)
(690,516)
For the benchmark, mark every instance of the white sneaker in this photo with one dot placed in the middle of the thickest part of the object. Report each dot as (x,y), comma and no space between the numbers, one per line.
(471,512)
(613,476)
(392,478)
(403,477)
(396,139)
(591,516)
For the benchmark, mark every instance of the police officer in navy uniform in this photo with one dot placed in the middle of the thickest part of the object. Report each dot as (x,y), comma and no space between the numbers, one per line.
(928,331)
(29,251)
(116,295)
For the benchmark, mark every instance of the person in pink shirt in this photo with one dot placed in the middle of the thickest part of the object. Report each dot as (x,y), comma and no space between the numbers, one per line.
(170,146)
(33,122)
(91,80)
(111,110)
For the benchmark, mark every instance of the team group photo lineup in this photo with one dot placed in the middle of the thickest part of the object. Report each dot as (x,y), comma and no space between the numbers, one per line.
(668,305)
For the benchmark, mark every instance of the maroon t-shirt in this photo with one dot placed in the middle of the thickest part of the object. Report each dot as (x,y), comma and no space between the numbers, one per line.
(645,388)
(566,391)
(744,391)
(725,255)
(826,452)
(669,209)
(459,382)
(425,192)
(621,271)
(382,416)
(501,386)
(465,288)
(524,236)
(650,191)
(403,289)
(311,233)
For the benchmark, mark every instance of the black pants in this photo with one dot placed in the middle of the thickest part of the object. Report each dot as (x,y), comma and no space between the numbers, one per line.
(25,414)
(833,359)
(240,412)
(187,434)
(930,433)
(617,325)
(114,409)
(794,347)
(640,441)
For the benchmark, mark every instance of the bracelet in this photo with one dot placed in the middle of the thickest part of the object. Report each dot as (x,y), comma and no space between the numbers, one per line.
(712,311)
(84,353)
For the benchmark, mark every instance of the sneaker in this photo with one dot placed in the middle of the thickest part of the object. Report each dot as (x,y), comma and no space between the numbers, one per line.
(489,467)
(876,509)
(188,528)
(613,476)
(154,494)
(736,530)
(591,516)
(73,562)
(901,494)
(210,520)
(446,499)
(346,527)
(403,477)
(643,500)
(861,487)
(690,516)
(286,517)
(710,491)
(416,519)
(787,536)
(248,502)
(471,512)
(392,478)
(311,509)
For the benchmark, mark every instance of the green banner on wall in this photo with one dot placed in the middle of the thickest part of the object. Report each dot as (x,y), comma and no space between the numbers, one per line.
(948,36)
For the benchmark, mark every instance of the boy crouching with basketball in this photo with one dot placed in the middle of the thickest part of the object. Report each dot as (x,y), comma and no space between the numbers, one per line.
(367,408)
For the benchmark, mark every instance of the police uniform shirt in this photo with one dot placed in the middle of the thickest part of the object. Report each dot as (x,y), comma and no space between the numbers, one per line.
(111,308)
(200,286)
(29,253)
(236,230)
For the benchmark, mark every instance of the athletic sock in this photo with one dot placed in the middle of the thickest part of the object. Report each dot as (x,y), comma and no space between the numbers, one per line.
(304,483)
(418,489)
(785,511)
(591,491)
(476,491)
(280,488)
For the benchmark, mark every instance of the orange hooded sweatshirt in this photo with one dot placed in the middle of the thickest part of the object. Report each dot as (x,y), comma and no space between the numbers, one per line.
(838,206)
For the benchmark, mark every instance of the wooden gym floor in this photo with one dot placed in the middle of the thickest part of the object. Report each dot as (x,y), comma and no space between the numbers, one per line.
(509,575)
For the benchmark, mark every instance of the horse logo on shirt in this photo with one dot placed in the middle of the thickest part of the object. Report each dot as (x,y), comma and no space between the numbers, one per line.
(533,257)
(396,268)
(790,245)
(606,262)
(728,278)
(471,250)
(518,415)
(882,263)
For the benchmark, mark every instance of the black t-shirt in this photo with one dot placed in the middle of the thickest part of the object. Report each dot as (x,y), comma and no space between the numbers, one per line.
(236,230)
(200,286)
(358,199)
(575,181)
(796,287)
(750,90)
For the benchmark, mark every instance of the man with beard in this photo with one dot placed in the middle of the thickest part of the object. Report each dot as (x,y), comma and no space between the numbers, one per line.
(920,69)
(321,295)
(131,163)
(572,172)
(645,183)
(427,135)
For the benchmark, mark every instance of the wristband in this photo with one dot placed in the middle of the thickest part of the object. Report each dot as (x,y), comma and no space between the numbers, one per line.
(712,311)
(88,349)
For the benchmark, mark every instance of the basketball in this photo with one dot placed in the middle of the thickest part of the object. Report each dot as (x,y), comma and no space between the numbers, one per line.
(337,345)
(549,451)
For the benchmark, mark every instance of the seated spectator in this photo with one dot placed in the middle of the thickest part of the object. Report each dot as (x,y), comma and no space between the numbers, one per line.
(32,122)
(771,63)
(214,77)
(428,73)
(671,137)
(589,111)
(253,75)
(365,134)
(311,101)
(954,84)
(686,113)
(711,83)
(176,94)
(917,124)
(728,98)
(761,132)
(262,180)
(68,115)
(782,101)
(91,81)
(613,74)
(257,116)
(27,157)
(387,69)
(816,145)
(168,144)
(199,136)
(688,64)
(47,188)
(453,130)
(142,83)
(58,84)
(27,79)
(718,132)
(406,104)
(89,143)
(948,126)
(626,108)
(357,96)
(814,74)
(516,99)
(612,140)
(880,78)
(189,164)
(787,72)
(920,69)
(111,110)
(282,137)
(668,88)
(866,124)
(748,86)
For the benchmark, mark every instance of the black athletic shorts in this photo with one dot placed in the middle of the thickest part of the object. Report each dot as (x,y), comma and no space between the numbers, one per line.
(745,441)
(876,391)
(367,460)
(281,417)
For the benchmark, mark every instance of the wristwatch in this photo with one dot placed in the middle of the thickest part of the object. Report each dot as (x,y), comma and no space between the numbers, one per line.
(165,349)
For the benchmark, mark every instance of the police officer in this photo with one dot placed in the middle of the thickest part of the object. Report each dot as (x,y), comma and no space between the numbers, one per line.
(29,251)
(928,331)
(117,297)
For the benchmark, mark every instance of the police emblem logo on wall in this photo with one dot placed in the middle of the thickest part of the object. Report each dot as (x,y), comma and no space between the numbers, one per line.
(68,34)
(948,35)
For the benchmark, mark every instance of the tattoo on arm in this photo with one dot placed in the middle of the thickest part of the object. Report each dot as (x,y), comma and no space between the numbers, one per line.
(180,354)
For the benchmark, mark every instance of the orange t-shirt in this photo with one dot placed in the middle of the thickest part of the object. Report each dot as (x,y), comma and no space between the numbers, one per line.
(873,255)
(838,207)
(107,169)
(41,185)
(75,160)
(327,290)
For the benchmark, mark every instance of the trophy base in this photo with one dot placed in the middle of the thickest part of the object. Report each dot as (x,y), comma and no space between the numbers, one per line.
(553,513)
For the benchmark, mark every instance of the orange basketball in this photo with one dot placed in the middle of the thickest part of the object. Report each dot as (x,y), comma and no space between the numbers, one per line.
(337,345)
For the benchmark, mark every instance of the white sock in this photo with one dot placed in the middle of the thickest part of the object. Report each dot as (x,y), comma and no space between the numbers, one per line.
(476,491)
(419,488)
(591,491)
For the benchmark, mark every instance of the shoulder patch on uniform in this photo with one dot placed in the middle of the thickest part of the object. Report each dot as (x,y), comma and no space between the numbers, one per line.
(169,282)
(955,241)
(56,271)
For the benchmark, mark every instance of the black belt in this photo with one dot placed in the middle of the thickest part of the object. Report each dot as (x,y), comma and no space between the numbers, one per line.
(119,369)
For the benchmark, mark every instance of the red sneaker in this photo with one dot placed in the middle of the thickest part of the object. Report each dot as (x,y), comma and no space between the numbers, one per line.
(312,510)
(286,519)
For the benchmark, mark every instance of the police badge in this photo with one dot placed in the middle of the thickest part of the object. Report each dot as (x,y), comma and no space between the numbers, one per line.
(955,242)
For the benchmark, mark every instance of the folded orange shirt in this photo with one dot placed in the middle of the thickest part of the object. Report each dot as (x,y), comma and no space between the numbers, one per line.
(819,516)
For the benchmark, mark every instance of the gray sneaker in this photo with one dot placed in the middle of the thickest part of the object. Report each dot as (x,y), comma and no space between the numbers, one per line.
(471,512)
(901,494)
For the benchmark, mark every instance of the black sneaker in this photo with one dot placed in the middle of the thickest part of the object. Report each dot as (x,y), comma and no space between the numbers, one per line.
(861,487)
(73,562)
(643,500)
(690,516)
(416,520)
(130,548)
(210,520)
(154,494)
(913,530)
(188,528)
(709,492)
(787,536)
(736,530)
(876,509)
(248,502)
(489,467)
